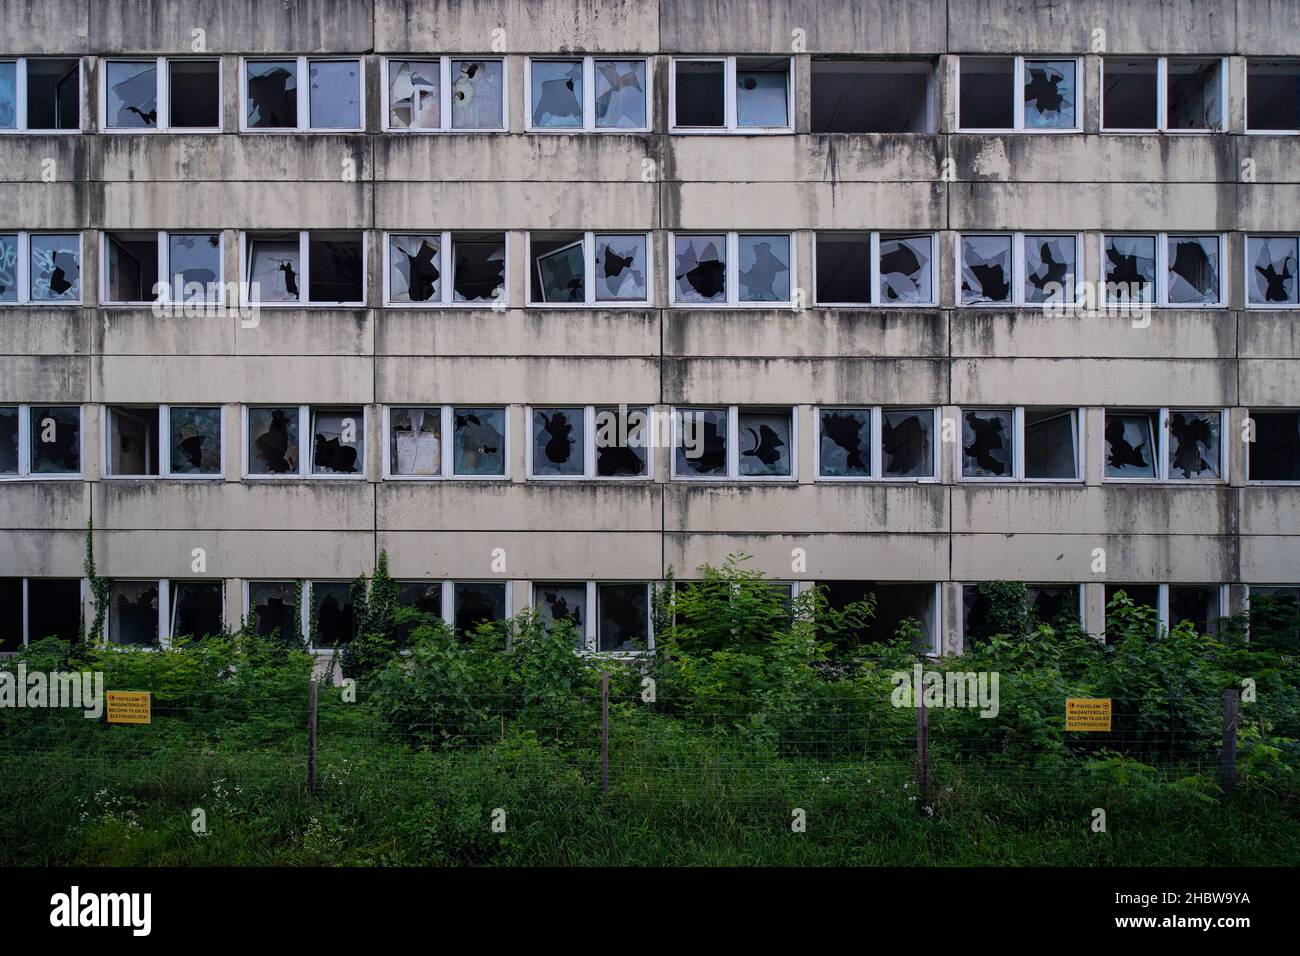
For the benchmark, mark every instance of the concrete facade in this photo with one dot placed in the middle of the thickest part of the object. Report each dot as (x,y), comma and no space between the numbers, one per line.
(948,531)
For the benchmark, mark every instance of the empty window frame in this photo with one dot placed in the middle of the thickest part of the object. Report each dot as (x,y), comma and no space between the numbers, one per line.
(1273,452)
(140,267)
(1272,265)
(1165,444)
(1029,94)
(1273,96)
(731,442)
(731,94)
(1017,268)
(160,94)
(1056,605)
(732,269)
(443,269)
(275,609)
(592,441)
(1164,269)
(40,95)
(874,269)
(1274,611)
(872,96)
(871,442)
(1165,94)
(1201,605)
(914,603)
(303,268)
(589,268)
(40,268)
(600,94)
(475,603)
(302,94)
(608,617)
(133,615)
(40,441)
(444,94)
(32,609)
(134,445)
(332,616)
(1020,444)
(416,436)
(274,448)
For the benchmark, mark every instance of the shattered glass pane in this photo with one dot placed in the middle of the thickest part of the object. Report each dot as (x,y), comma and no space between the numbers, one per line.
(1130,97)
(622,441)
(843,263)
(196,609)
(764,443)
(701,272)
(624,623)
(194,260)
(477,602)
(1272,261)
(274,268)
(987,89)
(8,439)
(1050,438)
(477,89)
(1194,269)
(761,93)
(195,440)
(53,94)
(272,605)
(559,267)
(844,450)
(985,269)
(272,94)
(333,615)
(132,266)
(8,267)
(132,94)
(700,100)
(273,440)
(1130,445)
(1049,94)
(335,94)
(905,435)
(1196,605)
(1130,268)
(1194,445)
(620,94)
(414,94)
(8,95)
(413,268)
(558,441)
(1050,268)
(557,93)
(415,441)
(1274,454)
(195,94)
(701,442)
(424,597)
(480,441)
(562,602)
(1194,101)
(133,441)
(478,266)
(55,438)
(906,275)
(55,268)
(764,268)
(1273,95)
(336,262)
(338,441)
(986,437)
(133,612)
(620,267)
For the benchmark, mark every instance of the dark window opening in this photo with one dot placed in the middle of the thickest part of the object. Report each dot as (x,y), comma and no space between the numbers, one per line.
(558,267)
(1275,452)
(871,96)
(1130,94)
(1272,95)
(336,267)
(197,608)
(53,608)
(478,266)
(274,610)
(987,98)
(843,268)
(195,94)
(897,605)
(1193,100)
(133,612)
(1050,435)
(906,443)
(132,267)
(334,620)
(700,99)
(422,597)
(624,622)
(133,441)
(53,94)
(478,603)
(11,614)
(1197,605)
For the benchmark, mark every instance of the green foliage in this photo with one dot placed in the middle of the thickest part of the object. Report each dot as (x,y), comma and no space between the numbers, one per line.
(98,591)
(376,612)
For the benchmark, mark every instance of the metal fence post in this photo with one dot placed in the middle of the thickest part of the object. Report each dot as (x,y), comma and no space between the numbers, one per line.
(604,732)
(922,754)
(1228,749)
(311,736)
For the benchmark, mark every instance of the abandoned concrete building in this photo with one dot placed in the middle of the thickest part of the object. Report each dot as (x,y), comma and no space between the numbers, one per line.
(548,299)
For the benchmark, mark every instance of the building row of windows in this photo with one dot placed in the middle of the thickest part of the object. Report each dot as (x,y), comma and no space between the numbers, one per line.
(707,94)
(612,617)
(615,442)
(615,269)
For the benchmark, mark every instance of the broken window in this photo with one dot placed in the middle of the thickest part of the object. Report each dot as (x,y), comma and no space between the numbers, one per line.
(274,267)
(1274,616)
(194,266)
(478,92)
(558,267)
(271,94)
(333,619)
(273,440)
(54,435)
(52,97)
(620,266)
(417,266)
(480,442)
(563,602)
(845,448)
(9,439)
(1273,95)
(1047,99)
(765,443)
(1195,98)
(558,444)
(700,443)
(987,437)
(561,263)
(623,437)
(909,608)
(423,597)
(986,269)
(1129,268)
(1141,596)
(731,93)
(414,94)
(1051,445)
(1194,450)
(197,609)
(1035,444)
(624,622)
(8,94)
(133,91)
(188,264)
(904,272)
(1056,605)
(1271,269)
(700,269)
(765,446)
(132,440)
(1050,268)
(1130,96)
(1188,267)
(131,94)
(338,441)
(1193,270)
(415,442)
(54,269)
(282,94)
(32,609)
(132,266)
(843,268)
(871,96)
(1018,268)
(1198,605)
(133,612)
(764,267)
(1049,94)
(273,610)
(10,257)
(335,100)
(556,94)
(732,269)
(194,94)
(478,266)
(334,272)
(194,445)
(1275,449)
(477,602)
(1131,450)
(907,442)
(987,93)
(621,94)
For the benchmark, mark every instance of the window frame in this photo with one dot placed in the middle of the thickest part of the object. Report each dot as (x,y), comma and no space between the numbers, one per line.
(446,263)
(590,451)
(589,271)
(1162,96)
(960,607)
(877,445)
(873,240)
(733,446)
(1017,475)
(1162,599)
(1161,299)
(588,63)
(729,125)
(24,270)
(304,271)
(1250,447)
(25,472)
(731,273)
(444,93)
(164,268)
(446,450)
(20,97)
(26,599)
(1018,93)
(1162,475)
(1019,269)
(1248,270)
(1245,96)
(164,443)
(306,444)
(303,91)
(163,93)
(591,626)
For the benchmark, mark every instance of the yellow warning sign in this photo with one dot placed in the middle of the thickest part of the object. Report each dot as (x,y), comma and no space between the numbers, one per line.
(129,707)
(1087,713)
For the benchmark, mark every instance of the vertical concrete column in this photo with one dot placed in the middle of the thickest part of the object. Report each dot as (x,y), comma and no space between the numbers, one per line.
(516,274)
(950,597)
(519,597)
(1094,609)
(232,441)
(949,426)
(1238,450)
(1094,446)
(947,256)
(802,89)
(231,95)
(1236,106)
(945,104)
(804,241)
(517,429)
(806,429)
(92,445)
(233,601)
(1090,87)
(516,107)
